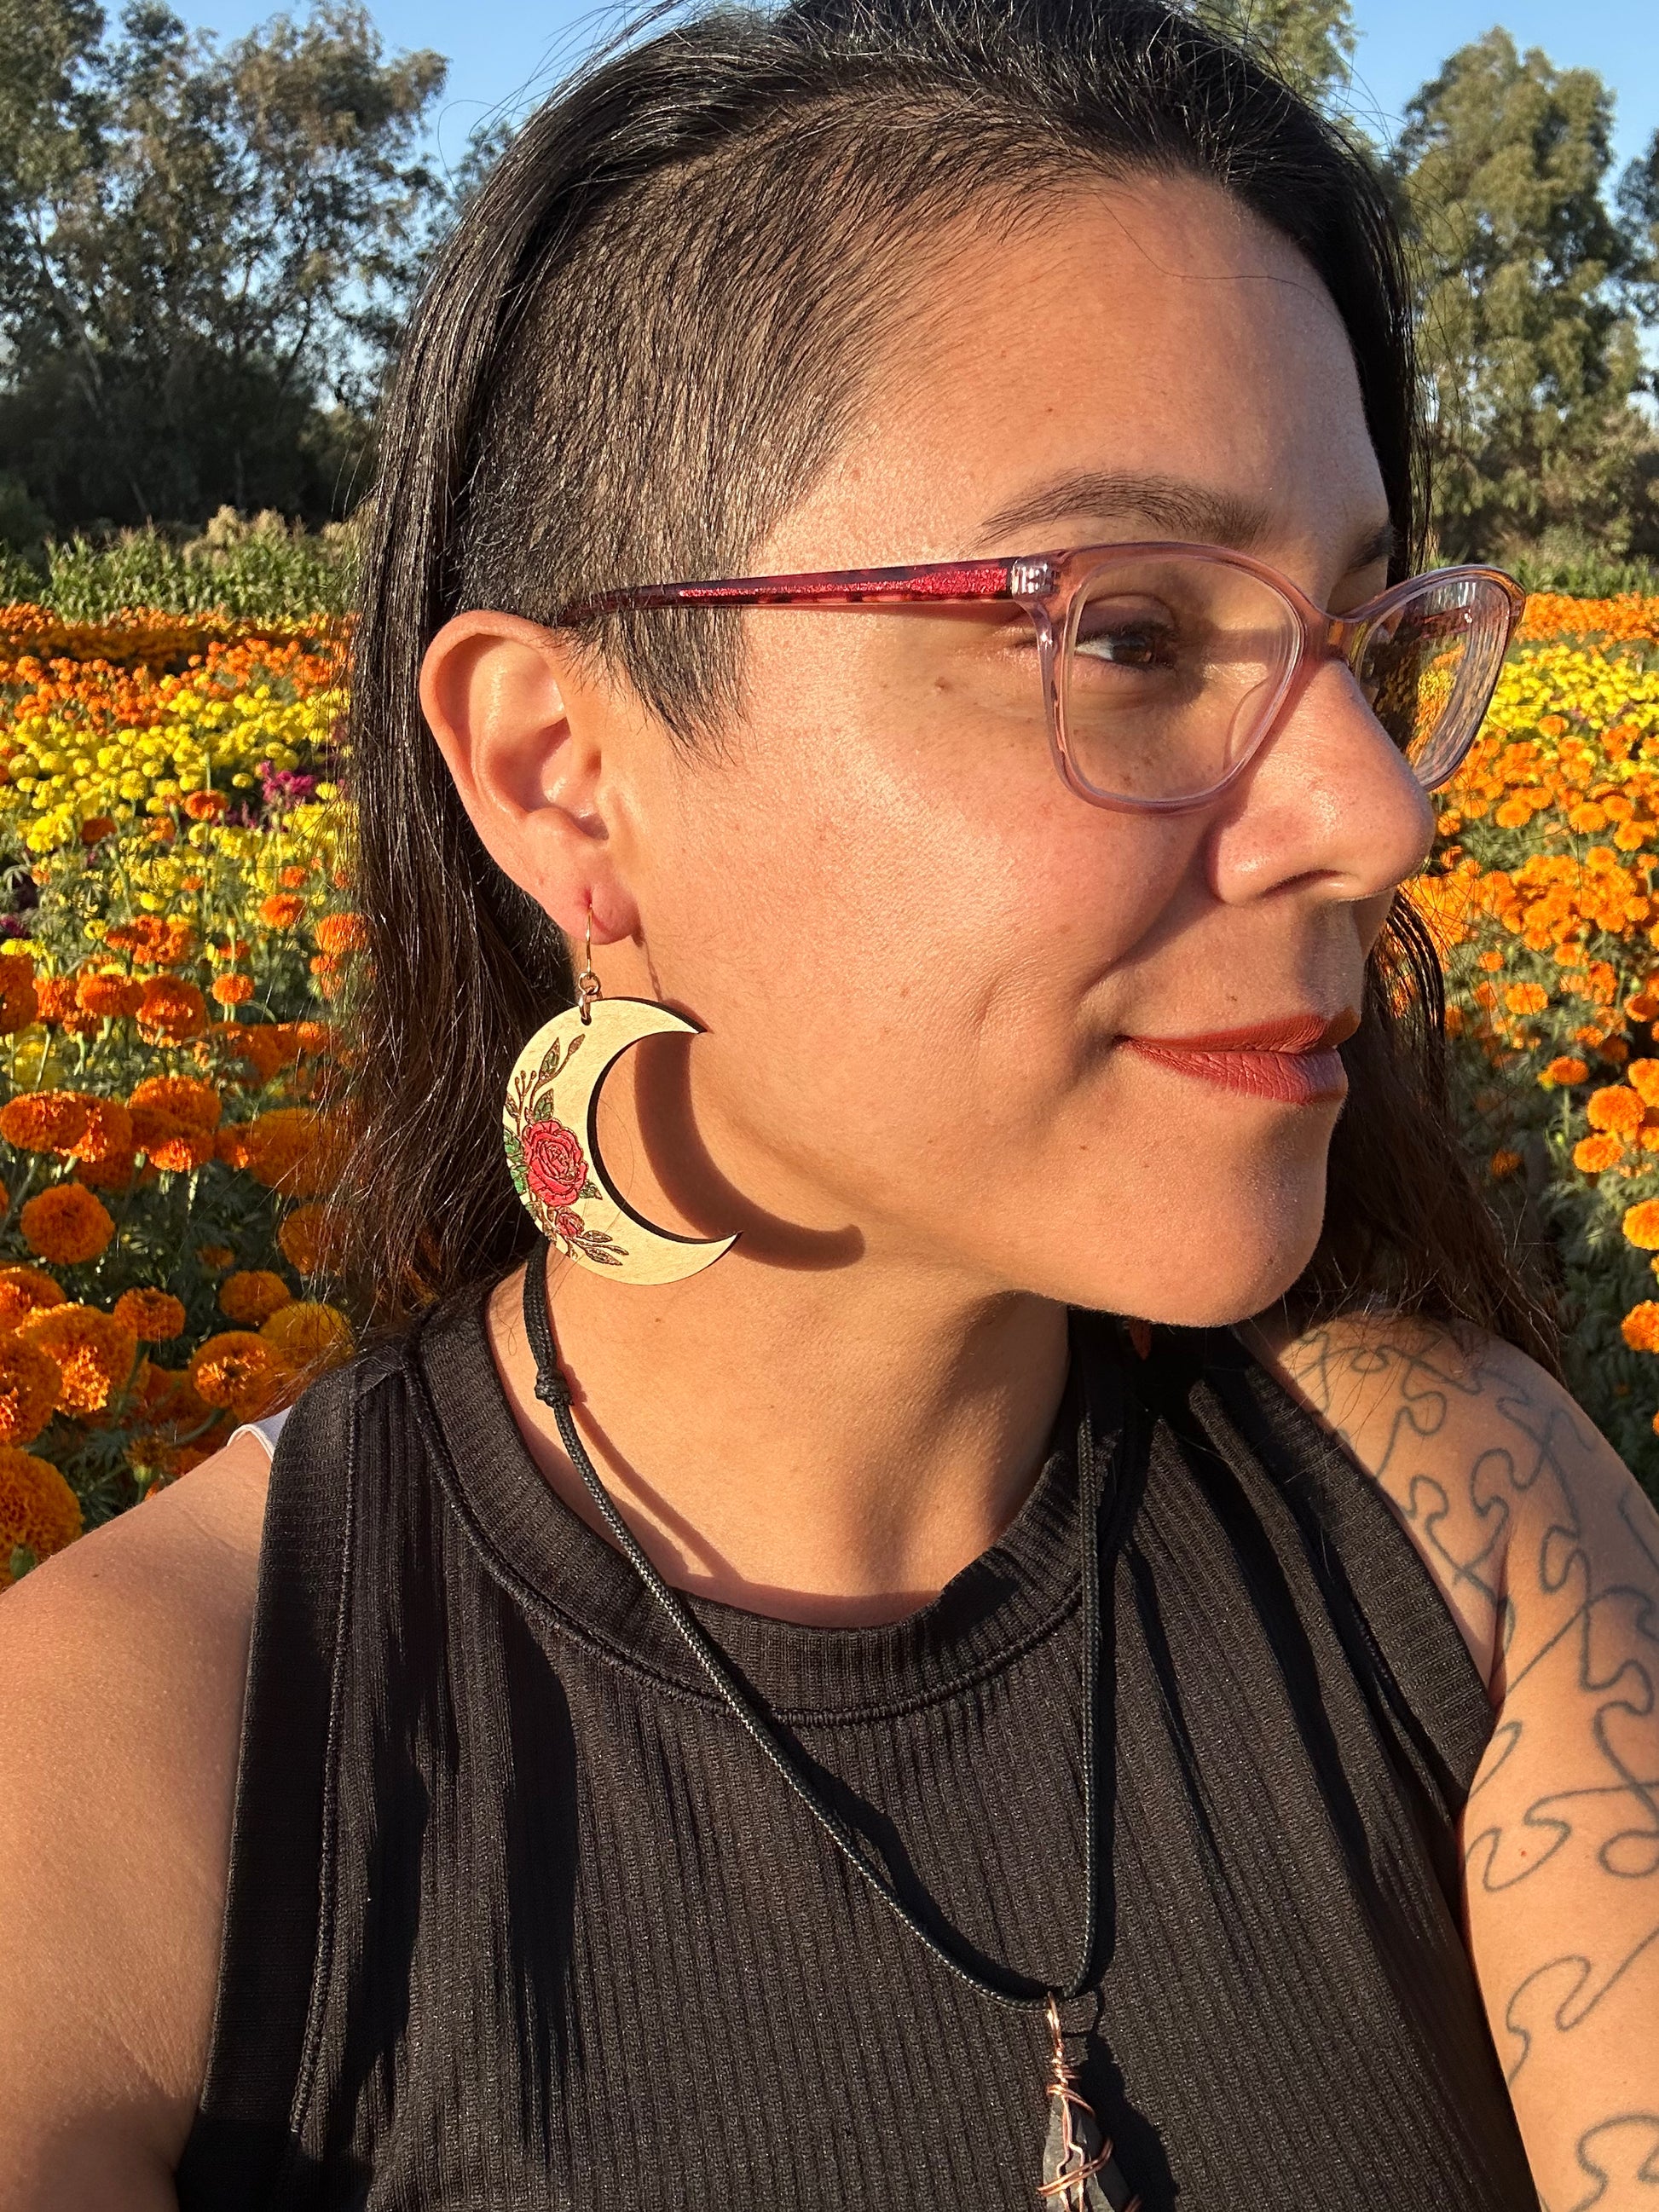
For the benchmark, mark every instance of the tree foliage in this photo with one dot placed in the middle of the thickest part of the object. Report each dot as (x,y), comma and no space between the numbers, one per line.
(1309,42)
(1529,300)
(203,255)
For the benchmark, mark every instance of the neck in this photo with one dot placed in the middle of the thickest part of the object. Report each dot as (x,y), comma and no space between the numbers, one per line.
(824,1446)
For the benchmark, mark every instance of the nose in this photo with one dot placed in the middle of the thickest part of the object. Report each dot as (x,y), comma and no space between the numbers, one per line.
(1328,802)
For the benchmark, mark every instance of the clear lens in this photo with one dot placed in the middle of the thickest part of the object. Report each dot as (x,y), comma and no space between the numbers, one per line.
(1171,666)
(1428,667)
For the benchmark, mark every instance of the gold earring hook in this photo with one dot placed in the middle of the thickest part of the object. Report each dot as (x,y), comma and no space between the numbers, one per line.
(588,986)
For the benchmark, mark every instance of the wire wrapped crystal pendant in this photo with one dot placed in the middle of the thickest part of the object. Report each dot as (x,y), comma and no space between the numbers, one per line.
(1079,2173)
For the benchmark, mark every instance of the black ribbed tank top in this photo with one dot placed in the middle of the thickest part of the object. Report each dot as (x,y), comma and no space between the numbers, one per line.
(518,1917)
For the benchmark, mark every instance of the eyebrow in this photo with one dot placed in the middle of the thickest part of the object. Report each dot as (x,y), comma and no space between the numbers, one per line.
(1197,513)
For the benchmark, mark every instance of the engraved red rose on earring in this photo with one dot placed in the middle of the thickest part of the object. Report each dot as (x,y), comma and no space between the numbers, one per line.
(553,1164)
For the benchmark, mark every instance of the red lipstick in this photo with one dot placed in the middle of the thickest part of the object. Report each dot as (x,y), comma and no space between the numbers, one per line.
(1294,1059)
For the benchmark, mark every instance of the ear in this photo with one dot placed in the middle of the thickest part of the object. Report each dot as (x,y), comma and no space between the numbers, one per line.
(532,737)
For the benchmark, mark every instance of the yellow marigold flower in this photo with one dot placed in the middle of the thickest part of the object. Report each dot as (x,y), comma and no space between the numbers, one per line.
(1565,1071)
(215,1255)
(1642,1225)
(233,990)
(154,1316)
(1504,1165)
(95,1353)
(170,1011)
(66,1224)
(309,1334)
(109,997)
(280,910)
(1640,1326)
(1526,998)
(242,1374)
(38,1511)
(19,1000)
(29,1384)
(340,933)
(1615,1107)
(1594,1155)
(44,1121)
(251,1296)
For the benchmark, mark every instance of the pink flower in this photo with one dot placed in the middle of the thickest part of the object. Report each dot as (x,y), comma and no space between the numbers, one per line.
(553,1164)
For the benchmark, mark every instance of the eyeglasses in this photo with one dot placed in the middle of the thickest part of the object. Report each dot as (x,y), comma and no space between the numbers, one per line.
(1164,667)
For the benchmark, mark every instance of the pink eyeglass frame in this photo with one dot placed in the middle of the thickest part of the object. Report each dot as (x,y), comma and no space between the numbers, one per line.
(1050,587)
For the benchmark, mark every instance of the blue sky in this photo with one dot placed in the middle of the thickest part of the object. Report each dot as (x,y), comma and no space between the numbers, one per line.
(500,48)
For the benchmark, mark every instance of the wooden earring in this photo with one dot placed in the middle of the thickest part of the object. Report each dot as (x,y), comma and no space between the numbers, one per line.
(549,1126)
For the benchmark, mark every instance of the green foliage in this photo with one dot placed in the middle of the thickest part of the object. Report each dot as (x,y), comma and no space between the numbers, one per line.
(205,255)
(1569,561)
(1529,308)
(1310,43)
(260,569)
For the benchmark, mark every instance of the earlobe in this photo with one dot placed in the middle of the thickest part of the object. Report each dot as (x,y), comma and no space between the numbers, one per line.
(524,740)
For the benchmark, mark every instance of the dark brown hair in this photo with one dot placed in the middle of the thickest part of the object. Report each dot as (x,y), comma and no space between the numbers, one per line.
(638,349)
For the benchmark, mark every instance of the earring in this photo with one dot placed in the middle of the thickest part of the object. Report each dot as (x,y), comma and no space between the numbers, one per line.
(549,1126)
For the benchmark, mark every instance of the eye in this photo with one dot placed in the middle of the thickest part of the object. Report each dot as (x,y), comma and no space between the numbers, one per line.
(1139,638)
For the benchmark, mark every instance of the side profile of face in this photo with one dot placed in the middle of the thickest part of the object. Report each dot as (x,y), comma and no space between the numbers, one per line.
(921,961)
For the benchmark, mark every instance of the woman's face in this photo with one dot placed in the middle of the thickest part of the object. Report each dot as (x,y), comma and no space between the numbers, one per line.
(921,960)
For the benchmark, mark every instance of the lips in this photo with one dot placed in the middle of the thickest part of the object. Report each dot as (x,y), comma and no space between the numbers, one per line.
(1294,1059)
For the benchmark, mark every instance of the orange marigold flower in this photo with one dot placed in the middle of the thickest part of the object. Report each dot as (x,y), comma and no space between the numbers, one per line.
(280,910)
(251,1296)
(205,805)
(66,1224)
(94,1353)
(1513,814)
(56,1002)
(1640,1326)
(25,1291)
(109,997)
(233,990)
(242,1374)
(1565,1071)
(1615,1107)
(231,1143)
(215,1255)
(170,1011)
(107,1134)
(152,941)
(261,1045)
(340,933)
(96,828)
(1587,817)
(29,1384)
(288,1150)
(309,1335)
(19,1000)
(154,1316)
(1491,962)
(1642,1225)
(38,1511)
(1594,1155)
(291,879)
(196,1104)
(44,1121)
(309,1239)
(167,1395)
(1504,1165)
(1643,1077)
(1526,998)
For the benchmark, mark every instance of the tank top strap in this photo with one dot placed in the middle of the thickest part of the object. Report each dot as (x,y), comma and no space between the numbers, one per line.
(270,1992)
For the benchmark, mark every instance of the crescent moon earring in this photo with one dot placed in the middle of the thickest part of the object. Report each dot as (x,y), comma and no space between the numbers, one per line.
(549,1126)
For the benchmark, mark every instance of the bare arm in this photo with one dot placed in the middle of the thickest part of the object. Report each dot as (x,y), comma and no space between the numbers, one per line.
(121,1665)
(1548,1553)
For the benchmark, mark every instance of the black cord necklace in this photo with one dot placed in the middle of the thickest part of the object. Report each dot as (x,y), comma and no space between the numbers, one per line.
(1079,2173)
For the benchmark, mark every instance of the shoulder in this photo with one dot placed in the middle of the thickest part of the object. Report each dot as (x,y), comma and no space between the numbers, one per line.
(122,1667)
(1481,1453)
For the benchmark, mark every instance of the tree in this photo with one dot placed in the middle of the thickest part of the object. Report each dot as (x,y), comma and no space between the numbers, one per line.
(1309,42)
(1529,299)
(204,254)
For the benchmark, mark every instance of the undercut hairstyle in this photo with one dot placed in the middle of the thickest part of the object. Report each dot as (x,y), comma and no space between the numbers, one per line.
(642,344)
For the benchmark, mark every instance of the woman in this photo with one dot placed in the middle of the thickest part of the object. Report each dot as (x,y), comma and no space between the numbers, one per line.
(836,1718)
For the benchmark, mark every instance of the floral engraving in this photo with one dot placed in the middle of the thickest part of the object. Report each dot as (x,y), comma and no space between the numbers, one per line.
(548,1168)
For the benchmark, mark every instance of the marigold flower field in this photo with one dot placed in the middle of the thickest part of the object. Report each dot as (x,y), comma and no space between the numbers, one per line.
(176,931)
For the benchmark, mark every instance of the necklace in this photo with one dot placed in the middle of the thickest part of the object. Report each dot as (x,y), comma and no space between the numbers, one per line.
(1079,2173)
